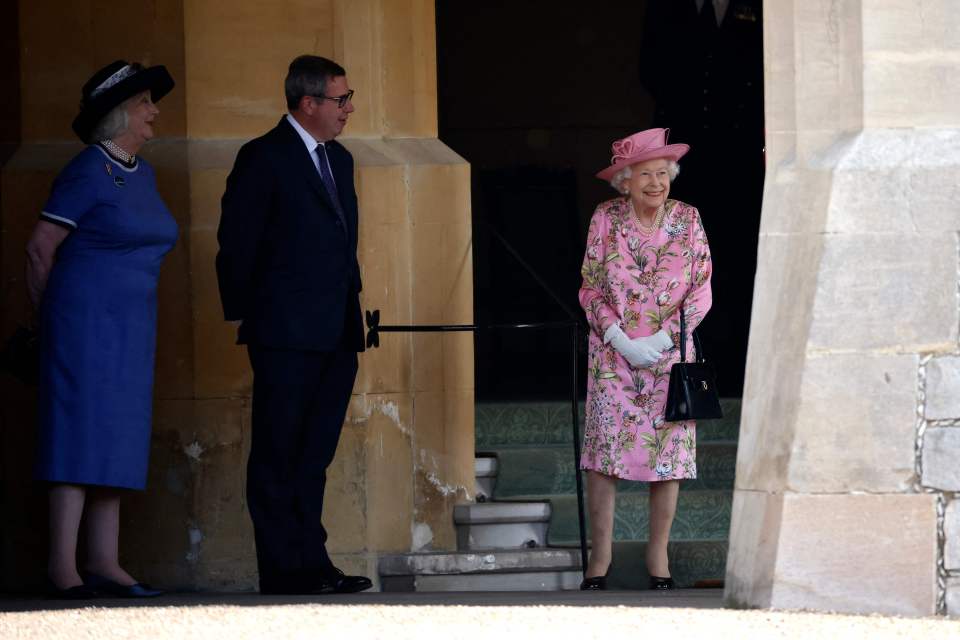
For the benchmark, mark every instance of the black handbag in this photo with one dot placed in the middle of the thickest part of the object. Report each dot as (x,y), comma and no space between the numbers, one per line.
(21,355)
(692,394)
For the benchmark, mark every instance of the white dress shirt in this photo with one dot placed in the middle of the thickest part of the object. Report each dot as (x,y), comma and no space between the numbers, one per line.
(719,7)
(311,145)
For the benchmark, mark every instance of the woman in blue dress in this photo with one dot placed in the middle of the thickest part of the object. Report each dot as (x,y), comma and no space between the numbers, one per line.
(93,262)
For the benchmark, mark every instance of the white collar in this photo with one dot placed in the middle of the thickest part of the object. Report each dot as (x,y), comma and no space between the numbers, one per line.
(719,8)
(308,139)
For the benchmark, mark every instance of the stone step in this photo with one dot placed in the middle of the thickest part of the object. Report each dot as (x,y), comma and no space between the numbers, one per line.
(701,515)
(692,563)
(501,525)
(499,570)
(549,470)
(545,423)
(485,469)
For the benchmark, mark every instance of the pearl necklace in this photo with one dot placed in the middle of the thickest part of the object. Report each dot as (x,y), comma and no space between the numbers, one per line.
(116,151)
(648,230)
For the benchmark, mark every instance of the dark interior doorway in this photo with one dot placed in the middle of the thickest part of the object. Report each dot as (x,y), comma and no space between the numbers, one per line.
(532,94)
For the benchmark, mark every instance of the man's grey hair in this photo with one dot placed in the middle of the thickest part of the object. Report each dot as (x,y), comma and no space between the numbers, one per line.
(112,124)
(308,76)
(619,179)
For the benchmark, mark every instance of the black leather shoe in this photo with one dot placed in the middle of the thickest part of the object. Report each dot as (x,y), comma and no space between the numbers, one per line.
(661,584)
(108,587)
(596,583)
(338,582)
(78,592)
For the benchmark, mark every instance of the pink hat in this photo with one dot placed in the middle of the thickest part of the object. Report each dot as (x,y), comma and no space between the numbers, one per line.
(645,145)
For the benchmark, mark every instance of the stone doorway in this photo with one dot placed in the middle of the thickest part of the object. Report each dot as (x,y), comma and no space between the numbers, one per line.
(532,94)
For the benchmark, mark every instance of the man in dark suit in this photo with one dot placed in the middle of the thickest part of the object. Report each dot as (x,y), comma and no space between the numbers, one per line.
(288,273)
(702,62)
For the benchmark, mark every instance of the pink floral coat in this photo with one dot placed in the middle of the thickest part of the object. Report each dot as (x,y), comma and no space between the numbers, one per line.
(639,282)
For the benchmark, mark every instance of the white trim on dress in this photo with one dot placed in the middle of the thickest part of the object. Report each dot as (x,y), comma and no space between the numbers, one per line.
(47,214)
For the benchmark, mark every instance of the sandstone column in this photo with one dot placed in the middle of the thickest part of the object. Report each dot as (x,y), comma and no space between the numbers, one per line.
(842,467)
(406,454)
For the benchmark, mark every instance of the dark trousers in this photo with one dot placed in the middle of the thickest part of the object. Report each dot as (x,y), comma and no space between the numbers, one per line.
(300,400)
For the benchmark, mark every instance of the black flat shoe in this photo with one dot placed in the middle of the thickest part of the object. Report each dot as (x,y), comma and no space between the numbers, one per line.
(108,587)
(78,592)
(661,584)
(596,583)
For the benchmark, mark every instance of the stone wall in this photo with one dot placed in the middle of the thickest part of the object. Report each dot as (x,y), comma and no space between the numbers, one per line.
(938,465)
(406,454)
(848,447)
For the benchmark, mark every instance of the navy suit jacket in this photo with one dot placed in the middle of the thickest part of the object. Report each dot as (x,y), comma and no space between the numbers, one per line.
(287,265)
(710,93)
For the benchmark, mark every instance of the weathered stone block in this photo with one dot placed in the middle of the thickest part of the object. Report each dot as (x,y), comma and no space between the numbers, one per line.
(941,451)
(943,388)
(780,60)
(951,530)
(388,424)
(233,91)
(460,440)
(871,198)
(754,537)
(828,548)
(884,107)
(857,419)
(886,291)
(148,33)
(828,48)
(428,412)
(193,515)
(407,38)
(345,498)
(895,180)
(783,302)
(386,281)
(935,190)
(796,199)
(953,597)
(222,366)
(440,193)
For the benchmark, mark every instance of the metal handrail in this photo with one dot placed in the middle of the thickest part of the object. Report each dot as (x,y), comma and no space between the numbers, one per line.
(373,340)
(573,323)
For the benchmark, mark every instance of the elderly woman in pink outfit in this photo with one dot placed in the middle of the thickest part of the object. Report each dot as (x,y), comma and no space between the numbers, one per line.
(646,256)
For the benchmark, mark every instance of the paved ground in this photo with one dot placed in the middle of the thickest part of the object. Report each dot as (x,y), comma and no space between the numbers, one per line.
(458,616)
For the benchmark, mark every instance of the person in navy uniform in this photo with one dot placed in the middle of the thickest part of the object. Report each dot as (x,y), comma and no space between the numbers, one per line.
(288,274)
(93,262)
(702,62)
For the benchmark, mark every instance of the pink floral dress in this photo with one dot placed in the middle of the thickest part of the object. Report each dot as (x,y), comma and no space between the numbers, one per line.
(639,281)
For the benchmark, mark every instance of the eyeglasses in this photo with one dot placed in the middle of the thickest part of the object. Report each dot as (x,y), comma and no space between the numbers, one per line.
(340,100)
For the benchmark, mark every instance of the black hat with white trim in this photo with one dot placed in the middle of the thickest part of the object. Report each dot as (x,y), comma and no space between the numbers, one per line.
(112,85)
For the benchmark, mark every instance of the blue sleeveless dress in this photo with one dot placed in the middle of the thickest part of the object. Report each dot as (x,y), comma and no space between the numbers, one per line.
(98,322)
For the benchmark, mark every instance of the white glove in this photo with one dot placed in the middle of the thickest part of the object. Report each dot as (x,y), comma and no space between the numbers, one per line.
(660,340)
(639,352)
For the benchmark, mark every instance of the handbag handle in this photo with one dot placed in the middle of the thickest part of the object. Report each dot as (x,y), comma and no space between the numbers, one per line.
(697,350)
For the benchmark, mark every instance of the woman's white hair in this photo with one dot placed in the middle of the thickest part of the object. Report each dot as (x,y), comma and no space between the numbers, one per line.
(619,179)
(112,124)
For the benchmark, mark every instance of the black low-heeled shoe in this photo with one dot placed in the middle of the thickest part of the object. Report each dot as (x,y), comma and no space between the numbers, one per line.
(596,583)
(78,592)
(106,586)
(661,584)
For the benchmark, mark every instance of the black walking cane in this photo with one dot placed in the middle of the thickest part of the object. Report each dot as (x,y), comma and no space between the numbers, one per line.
(373,340)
